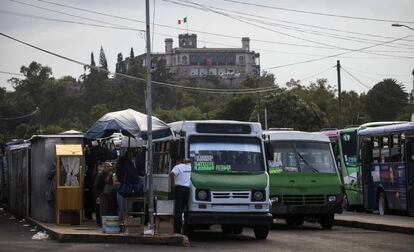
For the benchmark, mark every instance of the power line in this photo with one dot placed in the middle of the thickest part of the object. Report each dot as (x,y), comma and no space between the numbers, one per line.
(66,21)
(287,27)
(355,78)
(306,25)
(20,117)
(376,74)
(133,29)
(285,34)
(187,88)
(185,30)
(320,13)
(10,73)
(338,54)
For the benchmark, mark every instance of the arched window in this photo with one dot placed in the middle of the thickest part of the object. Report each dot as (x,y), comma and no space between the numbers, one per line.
(184,59)
(241,60)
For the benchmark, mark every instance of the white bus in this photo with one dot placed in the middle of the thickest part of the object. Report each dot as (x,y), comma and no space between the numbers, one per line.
(229,182)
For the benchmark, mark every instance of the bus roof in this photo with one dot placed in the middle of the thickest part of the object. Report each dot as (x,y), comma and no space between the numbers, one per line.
(297,136)
(256,128)
(378,124)
(389,129)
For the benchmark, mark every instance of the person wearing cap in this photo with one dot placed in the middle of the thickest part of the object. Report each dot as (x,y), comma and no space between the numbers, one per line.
(180,183)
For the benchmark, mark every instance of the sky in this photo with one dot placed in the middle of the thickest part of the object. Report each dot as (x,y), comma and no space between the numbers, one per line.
(279,30)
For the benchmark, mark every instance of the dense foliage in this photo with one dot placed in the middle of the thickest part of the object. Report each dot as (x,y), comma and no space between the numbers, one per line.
(69,103)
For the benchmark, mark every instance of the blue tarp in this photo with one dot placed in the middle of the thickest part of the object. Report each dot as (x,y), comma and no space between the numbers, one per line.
(130,123)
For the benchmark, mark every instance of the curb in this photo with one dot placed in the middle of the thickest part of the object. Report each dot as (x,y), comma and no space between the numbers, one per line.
(374,226)
(175,239)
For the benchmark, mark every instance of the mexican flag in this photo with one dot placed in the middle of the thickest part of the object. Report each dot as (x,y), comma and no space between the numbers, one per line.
(181,21)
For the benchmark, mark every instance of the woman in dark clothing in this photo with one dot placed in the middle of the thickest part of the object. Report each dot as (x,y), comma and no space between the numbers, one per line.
(108,204)
(127,176)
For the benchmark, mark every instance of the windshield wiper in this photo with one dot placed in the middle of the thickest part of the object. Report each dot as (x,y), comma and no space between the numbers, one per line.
(306,162)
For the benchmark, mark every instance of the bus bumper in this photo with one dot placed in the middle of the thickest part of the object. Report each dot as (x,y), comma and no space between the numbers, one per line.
(306,209)
(252,219)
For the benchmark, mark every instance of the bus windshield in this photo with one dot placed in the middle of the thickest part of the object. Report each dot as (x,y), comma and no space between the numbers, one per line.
(226,154)
(349,146)
(298,156)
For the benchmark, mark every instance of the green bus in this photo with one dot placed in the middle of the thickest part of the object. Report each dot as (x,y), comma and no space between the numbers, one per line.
(304,179)
(229,181)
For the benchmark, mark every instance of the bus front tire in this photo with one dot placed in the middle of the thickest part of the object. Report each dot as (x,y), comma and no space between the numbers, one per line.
(261,232)
(382,204)
(326,221)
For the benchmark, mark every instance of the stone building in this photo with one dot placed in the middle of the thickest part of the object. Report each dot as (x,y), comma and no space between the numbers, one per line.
(189,61)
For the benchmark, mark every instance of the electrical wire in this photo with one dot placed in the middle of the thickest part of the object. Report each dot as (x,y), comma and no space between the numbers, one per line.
(20,117)
(319,13)
(376,74)
(302,24)
(287,27)
(67,21)
(336,55)
(286,34)
(10,73)
(182,29)
(186,88)
(355,78)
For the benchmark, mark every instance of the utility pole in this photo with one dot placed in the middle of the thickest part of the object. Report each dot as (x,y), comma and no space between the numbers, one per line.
(150,195)
(338,70)
(412,90)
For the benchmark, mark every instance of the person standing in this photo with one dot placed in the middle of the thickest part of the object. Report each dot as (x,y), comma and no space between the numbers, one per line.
(180,182)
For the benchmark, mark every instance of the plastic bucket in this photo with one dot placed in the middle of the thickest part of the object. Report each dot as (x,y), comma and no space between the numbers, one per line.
(110,224)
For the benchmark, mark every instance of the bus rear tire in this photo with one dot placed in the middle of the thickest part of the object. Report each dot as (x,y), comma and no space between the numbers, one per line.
(382,204)
(261,232)
(237,229)
(326,221)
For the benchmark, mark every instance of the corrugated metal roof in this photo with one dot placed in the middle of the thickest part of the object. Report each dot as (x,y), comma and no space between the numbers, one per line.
(68,149)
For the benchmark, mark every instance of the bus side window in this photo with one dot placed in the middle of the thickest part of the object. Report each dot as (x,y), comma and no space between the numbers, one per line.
(376,157)
(385,149)
(395,151)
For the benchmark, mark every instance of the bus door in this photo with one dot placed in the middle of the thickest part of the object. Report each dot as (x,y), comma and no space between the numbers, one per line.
(410,173)
(366,171)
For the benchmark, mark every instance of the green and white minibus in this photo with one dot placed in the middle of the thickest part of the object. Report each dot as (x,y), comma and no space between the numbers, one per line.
(304,180)
(229,182)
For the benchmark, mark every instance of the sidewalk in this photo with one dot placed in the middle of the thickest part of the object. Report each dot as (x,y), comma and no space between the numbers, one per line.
(391,223)
(89,232)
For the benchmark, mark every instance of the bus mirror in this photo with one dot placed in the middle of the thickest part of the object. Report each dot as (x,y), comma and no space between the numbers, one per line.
(269,151)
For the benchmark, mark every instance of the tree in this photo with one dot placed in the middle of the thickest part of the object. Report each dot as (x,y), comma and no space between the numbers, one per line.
(119,64)
(386,100)
(238,108)
(285,109)
(93,59)
(102,59)
(97,111)
(132,57)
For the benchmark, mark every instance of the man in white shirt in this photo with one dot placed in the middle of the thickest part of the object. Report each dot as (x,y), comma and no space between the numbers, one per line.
(180,182)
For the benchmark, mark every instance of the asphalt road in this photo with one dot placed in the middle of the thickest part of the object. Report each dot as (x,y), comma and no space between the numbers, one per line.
(14,236)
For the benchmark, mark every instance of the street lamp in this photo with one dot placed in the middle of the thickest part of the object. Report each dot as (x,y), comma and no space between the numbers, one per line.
(402,25)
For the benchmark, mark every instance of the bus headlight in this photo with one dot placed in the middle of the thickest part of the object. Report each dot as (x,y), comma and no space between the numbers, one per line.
(202,194)
(331,198)
(258,195)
